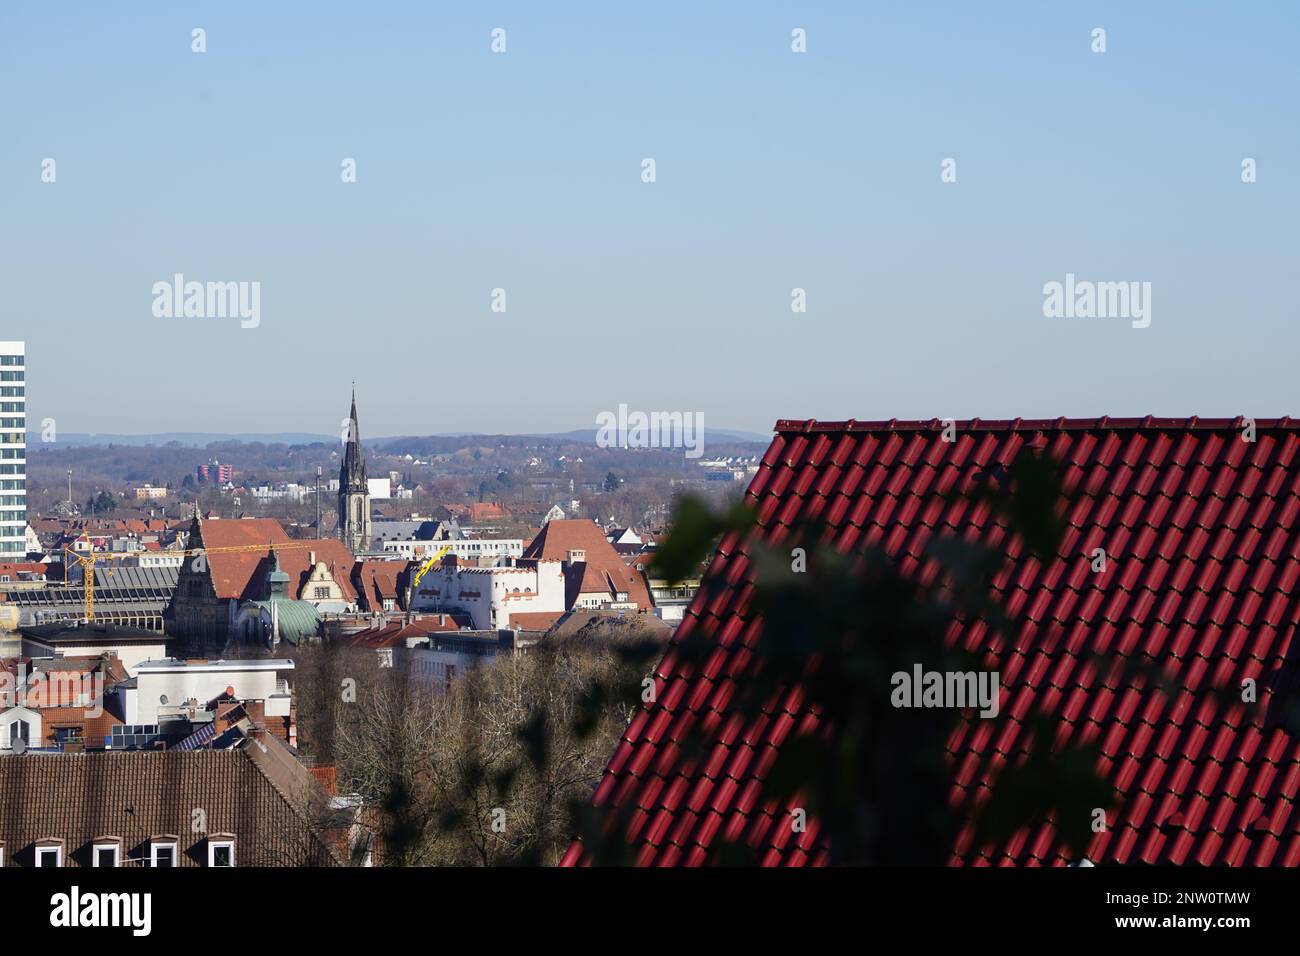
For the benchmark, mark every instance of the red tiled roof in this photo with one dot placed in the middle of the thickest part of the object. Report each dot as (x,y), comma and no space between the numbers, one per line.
(535,620)
(1202,531)
(242,574)
(377,581)
(397,632)
(603,571)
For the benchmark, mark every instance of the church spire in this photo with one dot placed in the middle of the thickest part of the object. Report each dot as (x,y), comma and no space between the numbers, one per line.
(353,473)
(354,489)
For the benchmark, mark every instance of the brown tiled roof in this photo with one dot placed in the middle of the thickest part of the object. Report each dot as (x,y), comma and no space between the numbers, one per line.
(378,581)
(392,634)
(259,793)
(535,620)
(242,574)
(603,571)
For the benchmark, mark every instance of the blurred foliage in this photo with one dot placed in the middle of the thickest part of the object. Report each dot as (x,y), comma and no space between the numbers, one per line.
(836,628)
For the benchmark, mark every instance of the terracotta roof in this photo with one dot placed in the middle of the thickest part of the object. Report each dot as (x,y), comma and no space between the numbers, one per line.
(486,511)
(377,581)
(242,574)
(1203,532)
(603,571)
(397,632)
(256,792)
(535,620)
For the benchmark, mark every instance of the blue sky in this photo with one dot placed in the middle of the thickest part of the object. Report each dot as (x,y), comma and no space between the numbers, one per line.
(522,171)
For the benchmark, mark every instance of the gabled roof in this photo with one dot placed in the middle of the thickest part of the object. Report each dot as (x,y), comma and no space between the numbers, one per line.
(378,581)
(396,633)
(259,793)
(603,572)
(1202,533)
(535,620)
(242,574)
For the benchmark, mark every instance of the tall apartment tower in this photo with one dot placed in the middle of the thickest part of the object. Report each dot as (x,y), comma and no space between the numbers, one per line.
(354,490)
(13,451)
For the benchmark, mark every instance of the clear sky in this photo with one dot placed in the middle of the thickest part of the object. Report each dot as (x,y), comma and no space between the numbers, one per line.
(522,171)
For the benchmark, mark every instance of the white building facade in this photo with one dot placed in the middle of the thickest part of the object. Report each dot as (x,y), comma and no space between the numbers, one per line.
(13,451)
(162,686)
(480,551)
(491,595)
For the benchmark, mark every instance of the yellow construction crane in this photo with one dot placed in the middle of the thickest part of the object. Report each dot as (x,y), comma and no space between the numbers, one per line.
(87,561)
(426,567)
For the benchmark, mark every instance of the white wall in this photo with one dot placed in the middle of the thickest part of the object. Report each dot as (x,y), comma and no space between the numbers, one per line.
(202,683)
(130,654)
(491,595)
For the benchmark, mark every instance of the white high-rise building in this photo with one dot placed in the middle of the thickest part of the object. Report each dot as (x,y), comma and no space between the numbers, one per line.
(13,451)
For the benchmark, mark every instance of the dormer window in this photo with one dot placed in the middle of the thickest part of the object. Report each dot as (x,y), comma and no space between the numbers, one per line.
(163,851)
(221,850)
(49,853)
(106,851)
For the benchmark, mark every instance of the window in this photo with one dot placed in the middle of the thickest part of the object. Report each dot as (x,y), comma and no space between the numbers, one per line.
(221,853)
(321,594)
(49,856)
(105,854)
(20,733)
(163,854)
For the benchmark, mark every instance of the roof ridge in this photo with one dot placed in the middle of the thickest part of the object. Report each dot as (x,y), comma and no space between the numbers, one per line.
(1192,423)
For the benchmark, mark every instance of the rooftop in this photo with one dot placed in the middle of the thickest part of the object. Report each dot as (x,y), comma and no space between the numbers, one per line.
(1202,530)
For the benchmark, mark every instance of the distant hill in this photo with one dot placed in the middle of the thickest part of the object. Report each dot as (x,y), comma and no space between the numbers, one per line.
(190,439)
(588,436)
(201,439)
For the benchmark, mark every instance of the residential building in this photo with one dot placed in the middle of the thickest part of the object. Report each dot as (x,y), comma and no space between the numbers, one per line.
(594,573)
(381,585)
(444,655)
(485,552)
(148,492)
(260,807)
(170,683)
(13,451)
(1198,595)
(215,472)
(131,645)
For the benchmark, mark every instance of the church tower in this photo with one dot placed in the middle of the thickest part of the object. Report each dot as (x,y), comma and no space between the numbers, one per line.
(354,492)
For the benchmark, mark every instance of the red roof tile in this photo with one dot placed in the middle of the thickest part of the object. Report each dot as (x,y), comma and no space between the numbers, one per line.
(1202,533)
(603,570)
(242,574)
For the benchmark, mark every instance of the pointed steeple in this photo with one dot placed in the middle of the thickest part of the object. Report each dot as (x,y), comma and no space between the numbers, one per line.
(352,474)
(354,489)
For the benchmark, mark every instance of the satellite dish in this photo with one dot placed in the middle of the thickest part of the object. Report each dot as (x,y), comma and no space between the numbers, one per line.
(162,698)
